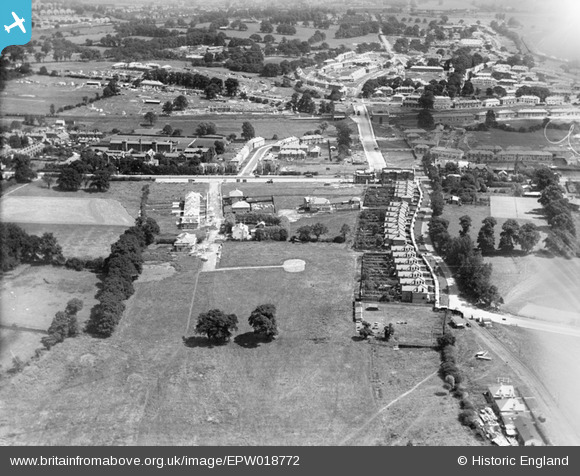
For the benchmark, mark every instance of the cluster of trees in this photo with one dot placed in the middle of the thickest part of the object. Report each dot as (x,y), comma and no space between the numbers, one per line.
(121,268)
(95,174)
(273,233)
(466,263)
(562,238)
(17,246)
(64,324)
(219,326)
(352,30)
(312,232)
(23,172)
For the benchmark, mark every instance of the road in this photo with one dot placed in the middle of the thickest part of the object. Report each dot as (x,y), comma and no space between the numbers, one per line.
(374,156)
(254,160)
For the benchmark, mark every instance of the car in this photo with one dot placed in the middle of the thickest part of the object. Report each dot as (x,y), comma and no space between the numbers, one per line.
(327,184)
(269,181)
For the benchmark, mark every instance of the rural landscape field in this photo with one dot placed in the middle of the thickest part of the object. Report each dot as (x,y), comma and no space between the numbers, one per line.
(290,225)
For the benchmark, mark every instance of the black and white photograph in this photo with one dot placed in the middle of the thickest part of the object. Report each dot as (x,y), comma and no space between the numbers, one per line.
(322,223)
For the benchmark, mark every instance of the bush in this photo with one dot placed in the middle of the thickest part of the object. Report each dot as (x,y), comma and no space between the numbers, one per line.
(468,418)
(75,263)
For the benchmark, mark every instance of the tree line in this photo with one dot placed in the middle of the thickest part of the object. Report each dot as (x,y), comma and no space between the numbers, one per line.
(123,265)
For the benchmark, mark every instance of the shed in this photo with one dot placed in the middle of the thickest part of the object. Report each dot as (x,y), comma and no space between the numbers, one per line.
(527,434)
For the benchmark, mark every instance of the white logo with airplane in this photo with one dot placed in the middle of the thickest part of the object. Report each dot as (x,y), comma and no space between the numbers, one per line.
(18,22)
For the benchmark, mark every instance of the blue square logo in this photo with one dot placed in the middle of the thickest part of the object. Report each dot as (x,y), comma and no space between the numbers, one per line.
(15,22)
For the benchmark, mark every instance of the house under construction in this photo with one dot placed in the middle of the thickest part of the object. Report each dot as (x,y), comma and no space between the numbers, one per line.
(192,211)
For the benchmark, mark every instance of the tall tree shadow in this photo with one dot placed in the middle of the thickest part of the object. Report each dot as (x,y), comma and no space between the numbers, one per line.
(249,340)
(198,341)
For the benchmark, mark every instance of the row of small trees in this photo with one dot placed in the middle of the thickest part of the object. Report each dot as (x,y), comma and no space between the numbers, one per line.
(219,326)
(453,378)
(121,268)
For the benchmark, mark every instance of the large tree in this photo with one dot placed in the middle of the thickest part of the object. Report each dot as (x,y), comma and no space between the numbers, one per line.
(263,320)
(486,237)
(425,120)
(23,172)
(69,179)
(465,223)
(101,180)
(509,235)
(319,229)
(180,103)
(232,86)
(216,325)
(528,237)
(248,131)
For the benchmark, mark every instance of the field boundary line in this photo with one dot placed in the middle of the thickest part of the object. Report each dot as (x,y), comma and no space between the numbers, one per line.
(382,409)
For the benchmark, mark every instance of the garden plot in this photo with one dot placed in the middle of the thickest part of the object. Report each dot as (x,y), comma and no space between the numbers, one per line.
(379,280)
(370,230)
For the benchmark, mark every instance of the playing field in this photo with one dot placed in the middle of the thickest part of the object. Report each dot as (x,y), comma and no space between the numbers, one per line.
(518,208)
(65,211)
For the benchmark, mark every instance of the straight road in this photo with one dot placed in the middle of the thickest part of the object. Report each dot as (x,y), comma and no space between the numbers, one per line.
(375,159)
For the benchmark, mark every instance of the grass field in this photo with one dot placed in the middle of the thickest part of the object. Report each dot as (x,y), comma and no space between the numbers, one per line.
(314,385)
(64,211)
(35,94)
(523,209)
(513,140)
(30,296)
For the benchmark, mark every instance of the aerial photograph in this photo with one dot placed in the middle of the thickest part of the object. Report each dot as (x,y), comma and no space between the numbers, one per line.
(272,223)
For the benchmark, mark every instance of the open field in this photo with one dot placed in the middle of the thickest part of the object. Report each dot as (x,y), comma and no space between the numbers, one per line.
(314,385)
(30,296)
(127,193)
(513,140)
(35,94)
(65,211)
(333,221)
(539,287)
(523,209)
